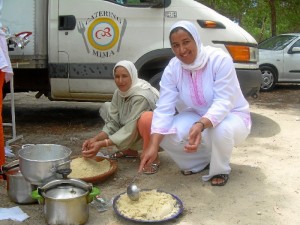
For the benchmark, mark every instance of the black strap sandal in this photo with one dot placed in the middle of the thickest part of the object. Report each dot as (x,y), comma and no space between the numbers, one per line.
(223,177)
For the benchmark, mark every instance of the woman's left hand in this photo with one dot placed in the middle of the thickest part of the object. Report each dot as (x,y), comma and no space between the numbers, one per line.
(194,139)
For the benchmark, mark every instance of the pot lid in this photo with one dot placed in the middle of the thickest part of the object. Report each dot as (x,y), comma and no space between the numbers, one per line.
(65,188)
(64,192)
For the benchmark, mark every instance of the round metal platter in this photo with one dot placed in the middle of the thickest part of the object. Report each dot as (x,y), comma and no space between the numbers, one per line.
(173,216)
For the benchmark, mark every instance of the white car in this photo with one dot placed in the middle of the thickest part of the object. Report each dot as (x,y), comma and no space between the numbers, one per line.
(279,60)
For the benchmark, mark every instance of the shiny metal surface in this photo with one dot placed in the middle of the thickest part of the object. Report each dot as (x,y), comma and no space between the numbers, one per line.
(38,162)
(133,192)
(18,189)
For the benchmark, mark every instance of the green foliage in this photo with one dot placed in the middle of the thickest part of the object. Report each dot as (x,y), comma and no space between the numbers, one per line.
(255,15)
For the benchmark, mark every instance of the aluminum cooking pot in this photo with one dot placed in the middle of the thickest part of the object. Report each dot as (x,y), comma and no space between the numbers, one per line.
(18,189)
(39,163)
(66,201)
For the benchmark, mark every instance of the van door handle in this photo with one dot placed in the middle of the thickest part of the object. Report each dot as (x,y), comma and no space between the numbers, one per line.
(67,22)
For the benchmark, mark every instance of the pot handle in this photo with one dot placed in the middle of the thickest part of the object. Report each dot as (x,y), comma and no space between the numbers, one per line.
(55,168)
(35,195)
(9,166)
(95,191)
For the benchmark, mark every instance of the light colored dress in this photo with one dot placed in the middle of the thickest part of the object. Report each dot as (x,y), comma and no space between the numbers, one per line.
(121,116)
(212,92)
(122,113)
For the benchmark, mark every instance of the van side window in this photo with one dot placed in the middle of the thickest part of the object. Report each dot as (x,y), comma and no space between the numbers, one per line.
(133,3)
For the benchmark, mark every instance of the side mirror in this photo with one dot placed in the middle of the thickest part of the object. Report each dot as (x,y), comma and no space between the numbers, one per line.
(295,50)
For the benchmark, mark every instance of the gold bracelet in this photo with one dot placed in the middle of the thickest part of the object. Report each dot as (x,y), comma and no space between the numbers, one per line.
(203,125)
(106,142)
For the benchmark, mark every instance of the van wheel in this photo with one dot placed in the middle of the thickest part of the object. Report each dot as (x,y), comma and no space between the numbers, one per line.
(154,81)
(269,78)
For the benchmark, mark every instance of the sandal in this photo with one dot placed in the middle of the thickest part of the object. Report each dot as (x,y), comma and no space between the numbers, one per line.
(151,169)
(189,172)
(223,177)
(128,153)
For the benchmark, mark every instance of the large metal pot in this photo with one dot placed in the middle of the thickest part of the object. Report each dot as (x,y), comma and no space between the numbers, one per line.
(18,189)
(39,163)
(66,201)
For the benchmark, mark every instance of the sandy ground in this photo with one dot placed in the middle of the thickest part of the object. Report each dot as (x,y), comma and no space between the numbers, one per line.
(263,188)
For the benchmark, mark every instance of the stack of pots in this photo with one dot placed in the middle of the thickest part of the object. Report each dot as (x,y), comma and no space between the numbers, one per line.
(65,200)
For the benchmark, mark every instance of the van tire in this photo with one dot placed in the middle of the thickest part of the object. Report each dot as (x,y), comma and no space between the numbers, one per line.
(269,78)
(154,81)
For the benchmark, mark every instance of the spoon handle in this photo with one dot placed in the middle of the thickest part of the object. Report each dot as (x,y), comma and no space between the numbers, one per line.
(135,177)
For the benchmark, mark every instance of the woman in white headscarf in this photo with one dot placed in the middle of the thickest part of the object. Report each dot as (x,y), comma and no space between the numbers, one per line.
(127,117)
(213,115)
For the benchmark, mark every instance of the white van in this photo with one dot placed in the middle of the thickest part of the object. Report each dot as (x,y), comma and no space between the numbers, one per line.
(75,44)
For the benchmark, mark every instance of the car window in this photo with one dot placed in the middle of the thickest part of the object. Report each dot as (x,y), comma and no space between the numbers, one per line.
(133,2)
(277,43)
(296,44)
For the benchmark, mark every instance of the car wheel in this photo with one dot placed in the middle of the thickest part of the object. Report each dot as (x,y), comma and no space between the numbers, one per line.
(269,78)
(154,81)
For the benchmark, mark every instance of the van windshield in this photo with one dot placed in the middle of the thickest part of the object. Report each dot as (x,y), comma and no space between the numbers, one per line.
(277,43)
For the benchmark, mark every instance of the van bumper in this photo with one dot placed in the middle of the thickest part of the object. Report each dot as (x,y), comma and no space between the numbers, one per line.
(250,81)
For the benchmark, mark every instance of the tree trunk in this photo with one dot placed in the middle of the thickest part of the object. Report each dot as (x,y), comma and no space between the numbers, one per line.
(262,31)
(273,16)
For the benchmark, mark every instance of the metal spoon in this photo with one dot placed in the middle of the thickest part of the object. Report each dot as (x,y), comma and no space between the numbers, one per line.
(133,191)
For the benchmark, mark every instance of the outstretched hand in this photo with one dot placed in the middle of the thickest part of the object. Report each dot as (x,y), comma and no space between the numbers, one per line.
(194,139)
(148,156)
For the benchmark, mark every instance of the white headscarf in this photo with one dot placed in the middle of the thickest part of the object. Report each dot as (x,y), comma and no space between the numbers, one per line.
(202,52)
(136,82)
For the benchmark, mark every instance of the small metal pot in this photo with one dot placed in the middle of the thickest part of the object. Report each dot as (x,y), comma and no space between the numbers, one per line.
(66,201)
(39,163)
(18,189)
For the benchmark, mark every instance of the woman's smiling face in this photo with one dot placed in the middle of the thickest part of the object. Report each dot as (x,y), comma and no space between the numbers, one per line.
(183,46)
(122,78)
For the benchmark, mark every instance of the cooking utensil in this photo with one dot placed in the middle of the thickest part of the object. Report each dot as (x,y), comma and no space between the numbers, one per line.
(133,191)
(18,189)
(66,201)
(178,206)
(38,162)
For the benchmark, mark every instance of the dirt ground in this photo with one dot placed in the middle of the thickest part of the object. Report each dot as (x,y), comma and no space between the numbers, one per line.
(264,184)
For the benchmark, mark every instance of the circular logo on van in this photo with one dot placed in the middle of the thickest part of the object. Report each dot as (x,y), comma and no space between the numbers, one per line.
(103,34)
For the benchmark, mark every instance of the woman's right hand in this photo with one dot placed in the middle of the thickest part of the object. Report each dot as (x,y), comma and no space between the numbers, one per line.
(90,148)
(148,156)
(150,153)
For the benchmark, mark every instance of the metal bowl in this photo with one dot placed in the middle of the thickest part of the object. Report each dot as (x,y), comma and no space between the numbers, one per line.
(39,163)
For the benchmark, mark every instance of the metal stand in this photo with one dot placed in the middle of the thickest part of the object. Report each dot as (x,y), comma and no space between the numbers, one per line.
(13,121)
